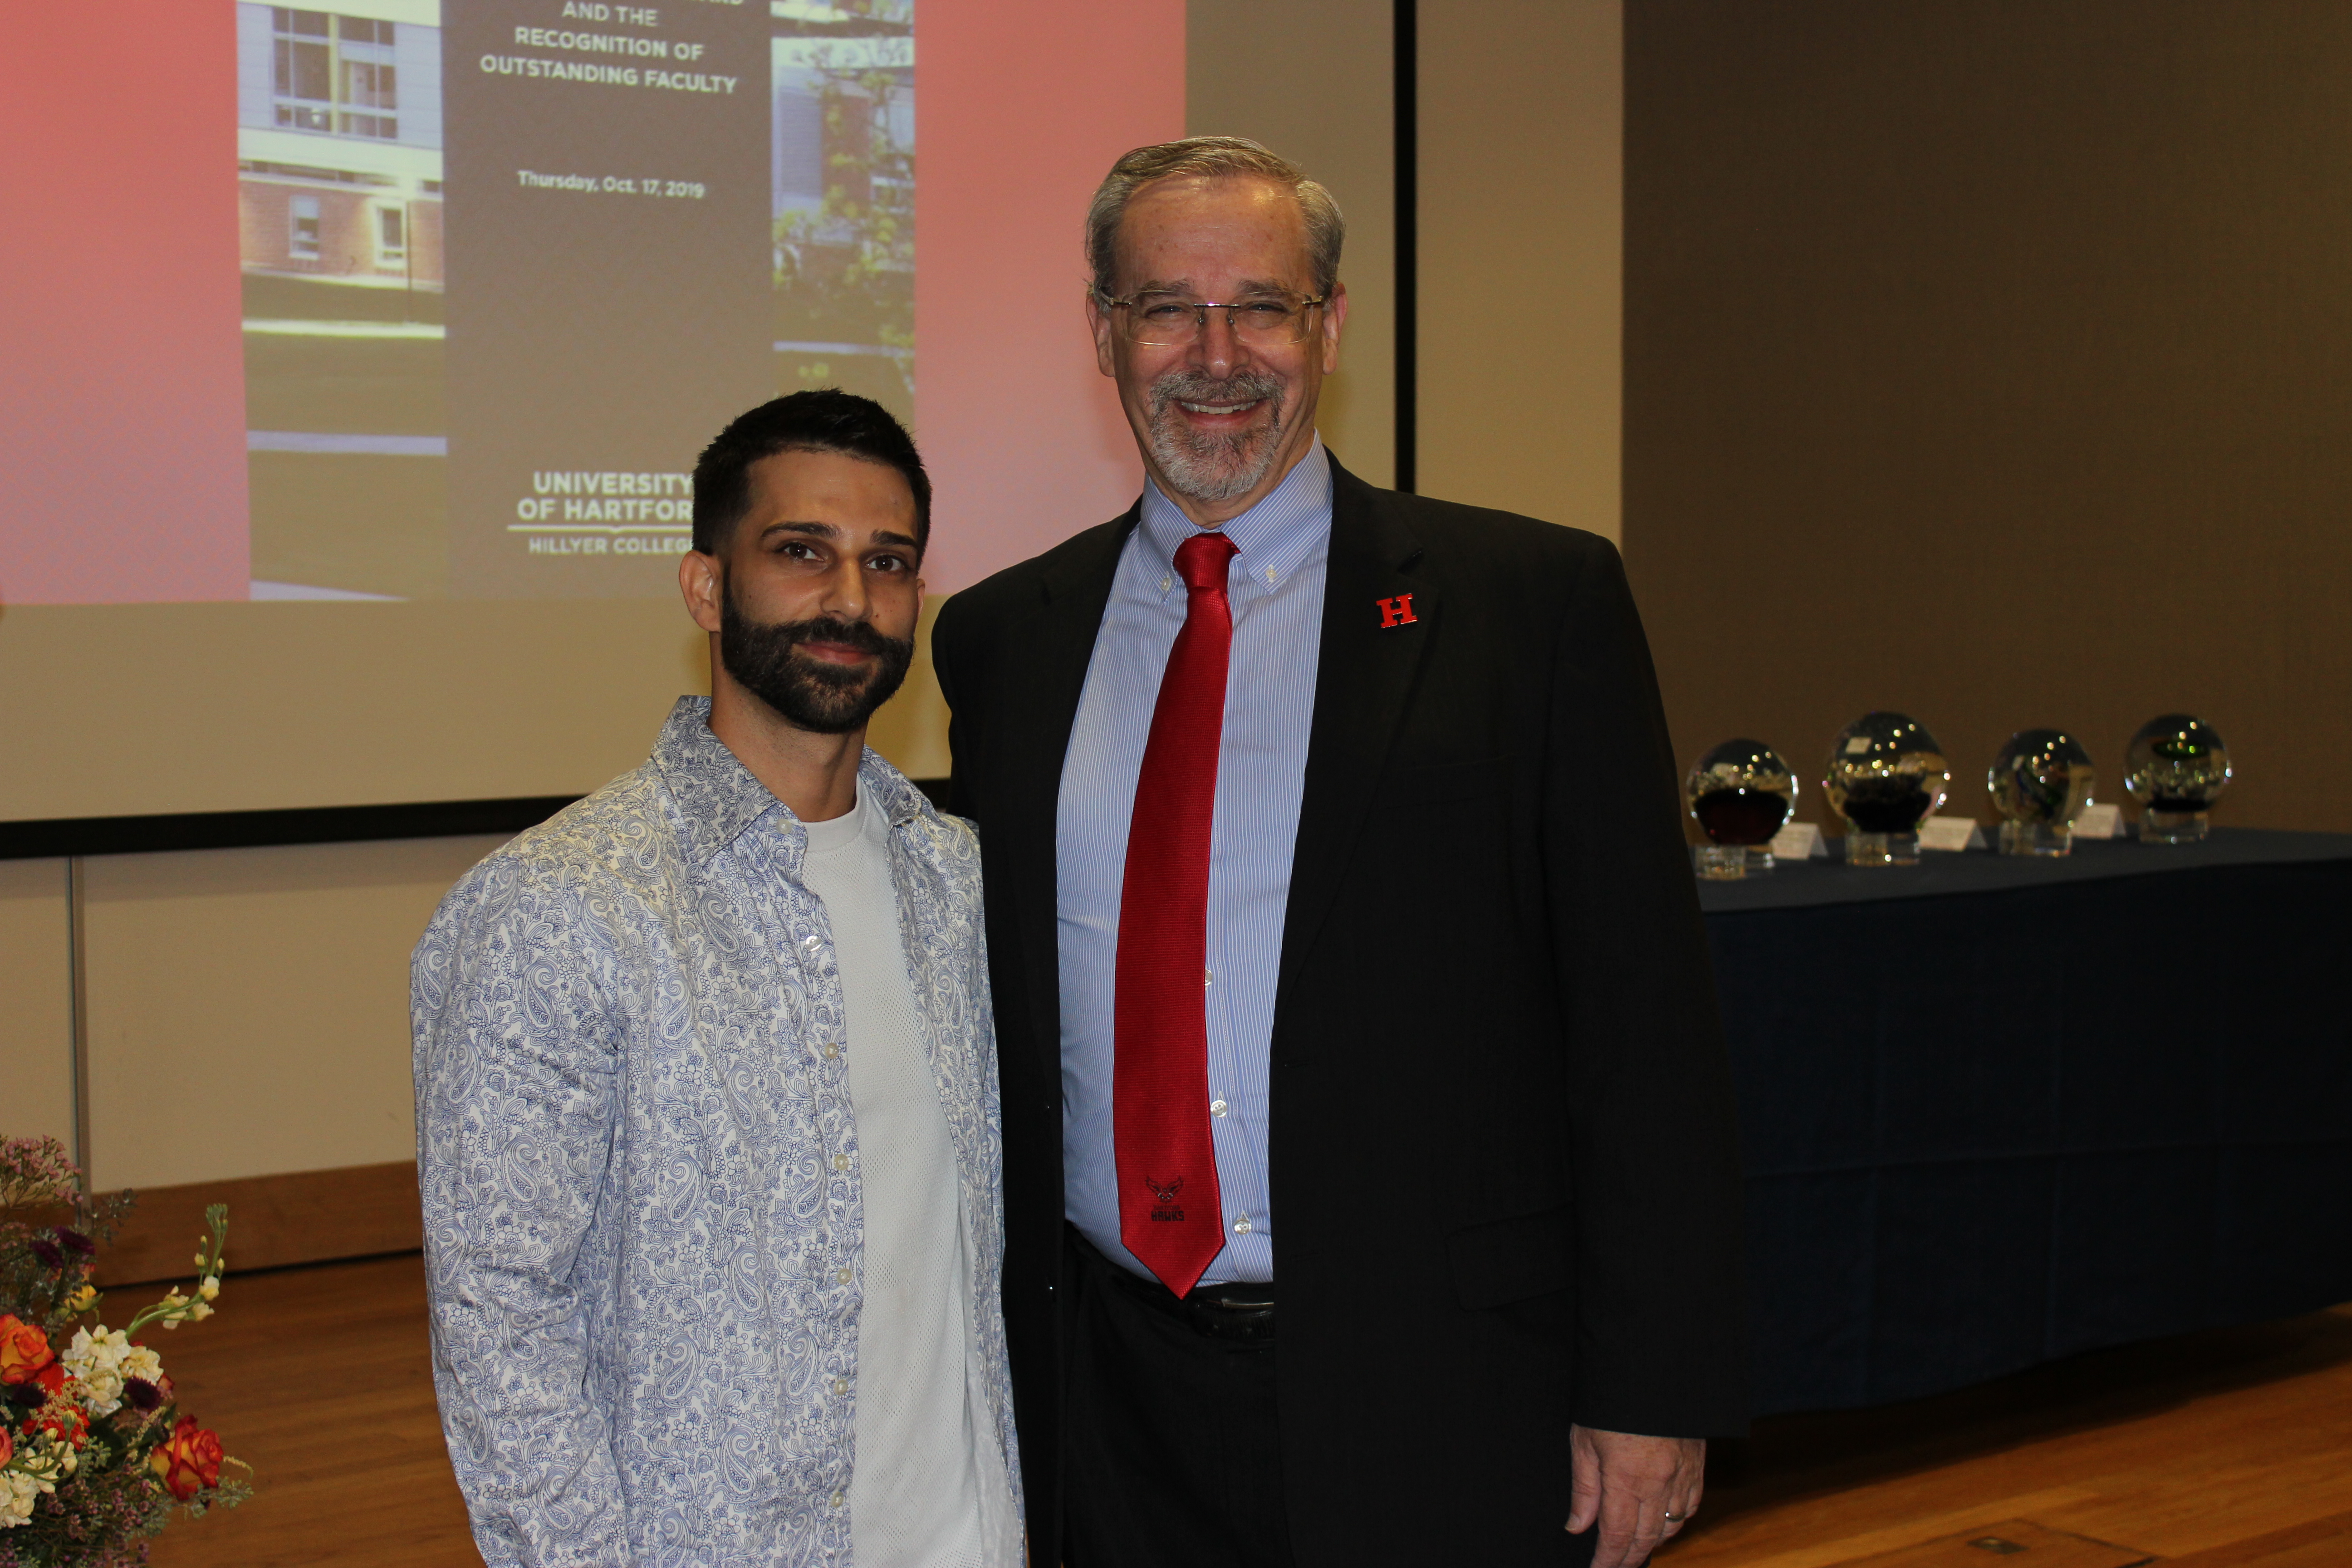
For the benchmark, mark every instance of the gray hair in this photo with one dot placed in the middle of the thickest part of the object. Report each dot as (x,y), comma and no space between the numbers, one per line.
(1216,158)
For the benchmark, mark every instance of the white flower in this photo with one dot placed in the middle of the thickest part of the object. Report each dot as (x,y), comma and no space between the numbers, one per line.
(210,1288)
(97,1361)
(142,1363)
(16,1502)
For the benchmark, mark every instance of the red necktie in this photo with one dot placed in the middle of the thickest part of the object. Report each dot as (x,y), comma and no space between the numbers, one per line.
(1169,1212)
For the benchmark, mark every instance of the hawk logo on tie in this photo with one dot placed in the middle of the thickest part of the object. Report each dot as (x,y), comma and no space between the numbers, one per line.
(1397,612)
(1163,1195)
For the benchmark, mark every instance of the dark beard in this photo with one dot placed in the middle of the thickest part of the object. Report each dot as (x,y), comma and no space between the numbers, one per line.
(824,699)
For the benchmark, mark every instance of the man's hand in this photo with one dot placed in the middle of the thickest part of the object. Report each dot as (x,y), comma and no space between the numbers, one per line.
(1640,1490)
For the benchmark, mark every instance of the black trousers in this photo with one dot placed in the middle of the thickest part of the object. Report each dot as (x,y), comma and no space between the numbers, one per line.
(1172,1454)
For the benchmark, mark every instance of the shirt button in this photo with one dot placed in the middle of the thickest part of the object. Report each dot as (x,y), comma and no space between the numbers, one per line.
(1208,977)
(1241,1227)
(1217,1108)
(808,941)
(841,1162)
(841,1386)
(836,1499)
(1165,581)
(842,1276)
(1270,573)
(831,1050)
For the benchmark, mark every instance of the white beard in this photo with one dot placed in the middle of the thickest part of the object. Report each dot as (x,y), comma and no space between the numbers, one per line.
(1214,468)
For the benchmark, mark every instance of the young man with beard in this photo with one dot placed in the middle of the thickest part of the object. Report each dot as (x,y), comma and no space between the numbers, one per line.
(1370,1186)
(708,1126)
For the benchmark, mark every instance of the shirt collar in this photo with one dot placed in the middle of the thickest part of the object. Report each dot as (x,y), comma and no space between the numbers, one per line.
(718,797)
(1271,540)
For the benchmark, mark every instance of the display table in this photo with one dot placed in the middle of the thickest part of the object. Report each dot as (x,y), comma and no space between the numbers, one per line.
(1999,1111)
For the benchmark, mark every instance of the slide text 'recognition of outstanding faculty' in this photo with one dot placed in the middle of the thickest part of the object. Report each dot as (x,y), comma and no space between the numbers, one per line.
(611,280)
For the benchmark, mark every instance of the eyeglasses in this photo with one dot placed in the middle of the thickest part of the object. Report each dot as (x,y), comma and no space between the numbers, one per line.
(1166,321)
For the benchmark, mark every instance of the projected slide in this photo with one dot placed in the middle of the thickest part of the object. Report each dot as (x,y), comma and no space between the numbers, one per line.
(506,267)
(412,299)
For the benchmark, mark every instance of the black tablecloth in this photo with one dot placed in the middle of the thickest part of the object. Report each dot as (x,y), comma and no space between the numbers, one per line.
(1998,1110)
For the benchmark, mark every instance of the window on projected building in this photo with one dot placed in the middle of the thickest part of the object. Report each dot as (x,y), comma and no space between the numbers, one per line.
(302,227)
(334,73)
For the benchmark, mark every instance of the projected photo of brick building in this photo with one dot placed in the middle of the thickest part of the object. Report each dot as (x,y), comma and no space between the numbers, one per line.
(842,189)
(340,208)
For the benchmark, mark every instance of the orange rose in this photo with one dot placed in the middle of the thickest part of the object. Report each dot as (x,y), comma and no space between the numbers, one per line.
(188,1460)
(24,1350)
(8,1445)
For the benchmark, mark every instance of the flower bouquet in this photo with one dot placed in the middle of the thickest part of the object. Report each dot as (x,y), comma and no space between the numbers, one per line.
(95,1456)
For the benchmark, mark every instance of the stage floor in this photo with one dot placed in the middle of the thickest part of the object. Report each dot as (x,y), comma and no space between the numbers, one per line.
(2222,1450)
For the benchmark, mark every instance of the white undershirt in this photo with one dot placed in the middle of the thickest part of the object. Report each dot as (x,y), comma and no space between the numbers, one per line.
(928,1485)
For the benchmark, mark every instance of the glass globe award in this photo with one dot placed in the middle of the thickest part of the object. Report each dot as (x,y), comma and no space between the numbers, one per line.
(1740,792)
(2040,783)
(2175,767)
(1886,776)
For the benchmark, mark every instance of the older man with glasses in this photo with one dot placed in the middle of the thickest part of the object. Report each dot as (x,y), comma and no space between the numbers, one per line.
(1335,884)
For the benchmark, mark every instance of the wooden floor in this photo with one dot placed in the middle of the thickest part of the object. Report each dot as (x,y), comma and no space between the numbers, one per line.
(319,1378)
(2225,1449)
(2229,1449)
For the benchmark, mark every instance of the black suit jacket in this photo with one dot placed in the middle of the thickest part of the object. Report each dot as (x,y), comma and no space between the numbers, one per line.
(1503,1157)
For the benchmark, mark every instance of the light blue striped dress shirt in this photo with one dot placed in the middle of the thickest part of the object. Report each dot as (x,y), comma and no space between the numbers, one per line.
(1275,584)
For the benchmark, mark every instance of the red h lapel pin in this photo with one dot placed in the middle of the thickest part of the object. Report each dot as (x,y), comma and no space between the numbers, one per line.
(1397,612)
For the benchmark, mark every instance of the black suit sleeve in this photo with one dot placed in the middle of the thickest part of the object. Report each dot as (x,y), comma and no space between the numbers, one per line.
(1661,1333)
(949,648)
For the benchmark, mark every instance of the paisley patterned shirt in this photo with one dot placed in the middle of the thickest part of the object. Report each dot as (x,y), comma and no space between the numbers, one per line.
(640,1171)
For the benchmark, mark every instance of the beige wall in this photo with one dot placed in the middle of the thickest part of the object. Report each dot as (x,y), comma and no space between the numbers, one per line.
(249,1008)
(36,1001)
(1521,246)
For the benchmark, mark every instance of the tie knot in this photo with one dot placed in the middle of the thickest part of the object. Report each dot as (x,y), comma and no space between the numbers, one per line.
(1201,560)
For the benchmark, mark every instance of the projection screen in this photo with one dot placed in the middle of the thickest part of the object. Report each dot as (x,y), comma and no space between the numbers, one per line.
(360,355)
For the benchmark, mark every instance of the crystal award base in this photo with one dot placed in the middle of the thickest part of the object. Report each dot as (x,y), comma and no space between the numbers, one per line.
(1881,849)
(2036,838)
(2172,827)
(1722,862)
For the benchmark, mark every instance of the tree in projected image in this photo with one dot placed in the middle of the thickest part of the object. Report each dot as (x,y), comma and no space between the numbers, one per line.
(845,250)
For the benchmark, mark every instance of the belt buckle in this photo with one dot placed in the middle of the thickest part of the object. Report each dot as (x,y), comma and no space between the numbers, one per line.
(1237,1323)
